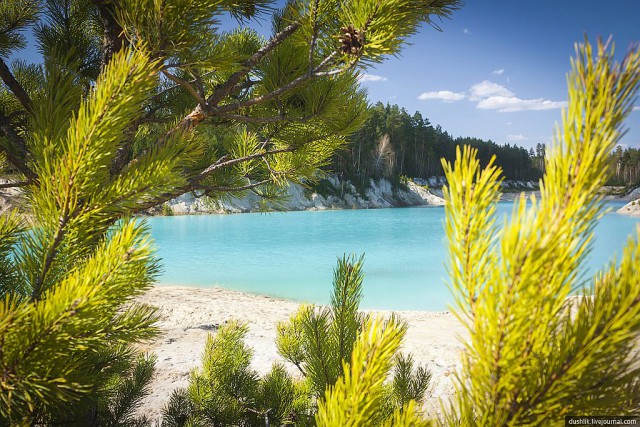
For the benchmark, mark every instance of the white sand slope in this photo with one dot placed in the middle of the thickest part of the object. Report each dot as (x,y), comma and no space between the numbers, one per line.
(189,314)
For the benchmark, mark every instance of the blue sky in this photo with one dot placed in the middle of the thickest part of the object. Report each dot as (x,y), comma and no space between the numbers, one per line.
(498,69)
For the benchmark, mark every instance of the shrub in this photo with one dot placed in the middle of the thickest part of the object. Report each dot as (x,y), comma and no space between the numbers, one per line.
(319,342)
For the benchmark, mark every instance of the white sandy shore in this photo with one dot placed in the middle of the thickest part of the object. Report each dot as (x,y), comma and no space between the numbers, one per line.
(189,314)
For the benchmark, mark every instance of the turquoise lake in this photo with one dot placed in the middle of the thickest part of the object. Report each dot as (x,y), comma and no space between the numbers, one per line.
(292,254)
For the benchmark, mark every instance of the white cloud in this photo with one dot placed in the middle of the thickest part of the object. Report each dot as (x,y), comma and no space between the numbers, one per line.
(508,104)
(486,89)
(516,138)
(371,78)
(636,108)
(493,96)
(442,95)
(498,72)
(509,123)
(466,31)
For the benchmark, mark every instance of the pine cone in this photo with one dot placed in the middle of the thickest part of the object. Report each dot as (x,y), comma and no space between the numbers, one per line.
(352,40)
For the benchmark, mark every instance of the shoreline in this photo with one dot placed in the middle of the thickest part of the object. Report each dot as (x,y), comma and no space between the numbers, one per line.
(188,315)
(187,209)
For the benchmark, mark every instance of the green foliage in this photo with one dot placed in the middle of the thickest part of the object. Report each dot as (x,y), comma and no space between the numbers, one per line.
(167,210)
(356,398)
(226,382)
(577,356)
(133,104)
(71,30)
(409,383)
(15,17)
(625,167)
(123,394)
(318,339)
(69,280)
(388,23)
(263,112)
(320,342)
(226,391)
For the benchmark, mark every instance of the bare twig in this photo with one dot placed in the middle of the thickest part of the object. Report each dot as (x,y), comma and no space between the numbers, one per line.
(185,84)
(197,80)
(170,88)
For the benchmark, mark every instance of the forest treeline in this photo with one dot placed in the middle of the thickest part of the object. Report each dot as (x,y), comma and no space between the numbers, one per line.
(624,167)
(393,143)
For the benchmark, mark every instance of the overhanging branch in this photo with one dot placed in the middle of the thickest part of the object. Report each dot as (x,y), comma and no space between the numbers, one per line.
(220,165)
(16,150)
(314,73)
(195,182)
(14,85)
(186,85)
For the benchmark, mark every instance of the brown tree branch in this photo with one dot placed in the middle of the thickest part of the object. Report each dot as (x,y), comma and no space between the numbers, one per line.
(159,95)
(280,91)
(113,36)
(202,111)
(194,183)
(227,87)
(186,85)
(50,254)
(113,40)
(210,109)
(219,165)
(269,119)
(314,36)
(123,153)
(17,150)
(14,85)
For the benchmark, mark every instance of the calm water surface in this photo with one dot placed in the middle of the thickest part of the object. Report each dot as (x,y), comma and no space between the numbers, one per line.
(292,254)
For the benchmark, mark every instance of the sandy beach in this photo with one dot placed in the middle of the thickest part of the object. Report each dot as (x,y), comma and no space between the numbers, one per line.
(189,314)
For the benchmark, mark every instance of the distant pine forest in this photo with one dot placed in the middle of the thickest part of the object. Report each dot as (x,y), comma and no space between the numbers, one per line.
(393,144)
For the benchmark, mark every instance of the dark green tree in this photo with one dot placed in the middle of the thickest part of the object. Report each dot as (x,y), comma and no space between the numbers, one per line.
(392,143)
